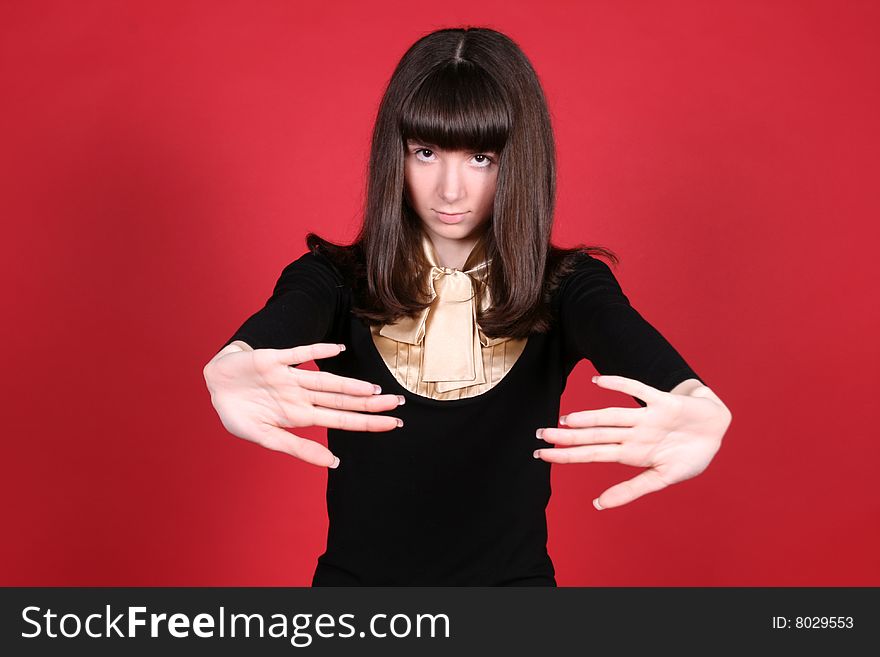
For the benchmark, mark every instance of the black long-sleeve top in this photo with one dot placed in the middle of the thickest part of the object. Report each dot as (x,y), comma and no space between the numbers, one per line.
(455,496)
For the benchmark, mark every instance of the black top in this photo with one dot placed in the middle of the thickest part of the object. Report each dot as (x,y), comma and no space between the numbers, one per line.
(454,497)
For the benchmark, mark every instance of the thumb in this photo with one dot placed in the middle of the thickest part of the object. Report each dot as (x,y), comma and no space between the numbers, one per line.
(627,491)
(281,440)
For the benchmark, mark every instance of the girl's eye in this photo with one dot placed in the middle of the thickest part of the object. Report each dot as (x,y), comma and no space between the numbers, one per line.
(485,162)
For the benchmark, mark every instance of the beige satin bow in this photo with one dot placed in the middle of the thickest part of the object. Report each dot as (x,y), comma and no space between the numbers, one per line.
(447,329)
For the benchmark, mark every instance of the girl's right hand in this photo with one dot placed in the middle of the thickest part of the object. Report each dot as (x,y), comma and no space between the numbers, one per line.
(259,392)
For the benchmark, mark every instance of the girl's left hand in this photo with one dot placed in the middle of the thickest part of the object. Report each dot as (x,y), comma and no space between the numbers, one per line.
(675,436)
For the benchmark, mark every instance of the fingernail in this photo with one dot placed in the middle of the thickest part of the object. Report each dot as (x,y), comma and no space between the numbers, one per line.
(537,453)
(563,420)
(401,400)
(399,422)
(539,433)
(597,505)
(377,390)
(335,463)
(341,347)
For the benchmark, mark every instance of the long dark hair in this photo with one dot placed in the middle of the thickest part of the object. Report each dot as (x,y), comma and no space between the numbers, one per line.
(462,88)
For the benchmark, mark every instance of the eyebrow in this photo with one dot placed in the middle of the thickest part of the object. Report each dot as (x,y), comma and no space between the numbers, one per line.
(423,143)
(413,142)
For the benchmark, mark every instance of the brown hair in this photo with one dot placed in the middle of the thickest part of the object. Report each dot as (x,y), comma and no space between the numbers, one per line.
(462,88)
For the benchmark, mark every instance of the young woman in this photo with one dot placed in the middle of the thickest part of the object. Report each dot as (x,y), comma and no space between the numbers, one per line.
(444,335)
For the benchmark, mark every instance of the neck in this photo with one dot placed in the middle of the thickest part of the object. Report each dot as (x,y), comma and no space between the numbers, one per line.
(453,253)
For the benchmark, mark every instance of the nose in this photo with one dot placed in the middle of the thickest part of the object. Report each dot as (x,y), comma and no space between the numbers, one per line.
(451,183)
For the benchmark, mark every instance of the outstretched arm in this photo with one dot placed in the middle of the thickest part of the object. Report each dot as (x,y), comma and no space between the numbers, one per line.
(680,423)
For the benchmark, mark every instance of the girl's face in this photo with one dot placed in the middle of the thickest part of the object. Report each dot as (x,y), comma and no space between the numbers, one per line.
(461,183)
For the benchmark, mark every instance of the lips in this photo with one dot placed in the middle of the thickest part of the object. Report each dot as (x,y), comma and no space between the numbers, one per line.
(450,218)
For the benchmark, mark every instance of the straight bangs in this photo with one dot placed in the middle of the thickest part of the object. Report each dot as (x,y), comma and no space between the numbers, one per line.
(457,107)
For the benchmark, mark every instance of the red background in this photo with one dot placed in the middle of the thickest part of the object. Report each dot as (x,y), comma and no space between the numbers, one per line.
(161,163)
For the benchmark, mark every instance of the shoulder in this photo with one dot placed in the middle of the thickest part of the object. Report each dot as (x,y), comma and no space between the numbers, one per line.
(596,271)
(310,268)
(347,261)
(578,272)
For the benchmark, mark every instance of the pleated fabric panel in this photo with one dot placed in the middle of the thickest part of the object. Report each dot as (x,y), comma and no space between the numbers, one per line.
(405,360)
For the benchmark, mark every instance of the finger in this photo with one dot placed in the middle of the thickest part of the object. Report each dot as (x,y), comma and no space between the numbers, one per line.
(603,417)
(272,437)
(627,491)
(341,401)
(591,436)
(582,454)
(629,386)
(350,421)
(328,382)
(307,352)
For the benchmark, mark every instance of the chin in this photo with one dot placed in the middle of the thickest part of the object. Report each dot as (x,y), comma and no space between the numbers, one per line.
(458,230)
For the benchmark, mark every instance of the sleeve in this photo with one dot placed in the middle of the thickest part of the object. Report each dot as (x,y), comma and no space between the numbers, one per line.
(302,309)
(599,324)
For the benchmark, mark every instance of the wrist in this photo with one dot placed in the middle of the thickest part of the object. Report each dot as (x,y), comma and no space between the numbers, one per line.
(231,348)
(688,387)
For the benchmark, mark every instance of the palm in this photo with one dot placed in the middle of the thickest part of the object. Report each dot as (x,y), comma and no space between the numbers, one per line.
(674,436)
